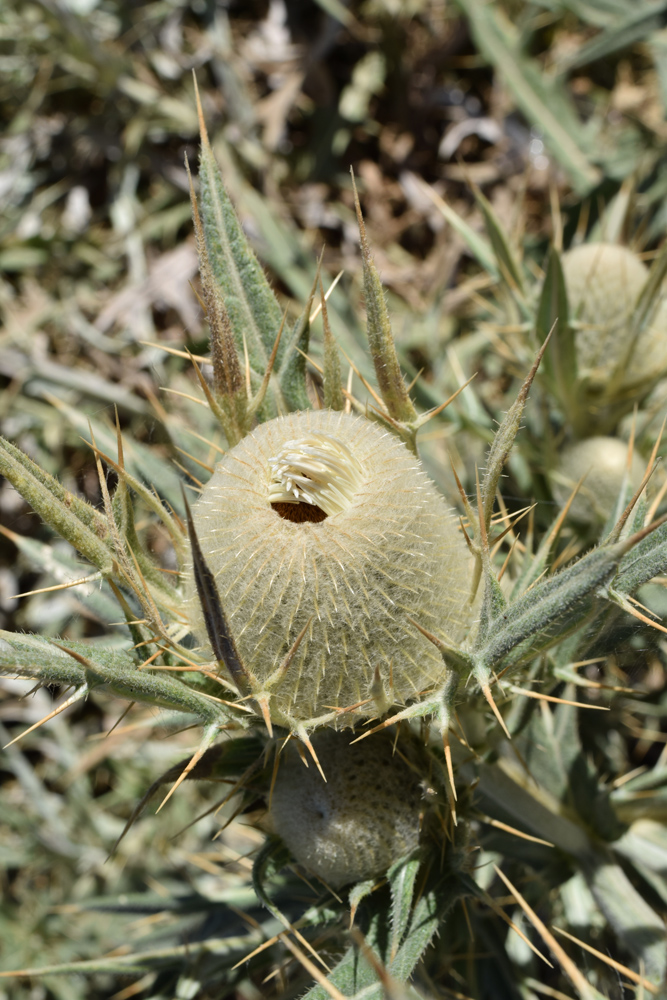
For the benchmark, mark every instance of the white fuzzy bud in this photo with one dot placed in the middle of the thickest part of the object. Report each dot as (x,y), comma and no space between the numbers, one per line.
(367,544)
(604,463)
(604,282)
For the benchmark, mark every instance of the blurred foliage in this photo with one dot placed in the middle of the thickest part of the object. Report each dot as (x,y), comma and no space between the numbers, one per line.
(539,104)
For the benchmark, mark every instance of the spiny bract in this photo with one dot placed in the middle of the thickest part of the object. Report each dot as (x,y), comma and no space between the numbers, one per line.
(391,551)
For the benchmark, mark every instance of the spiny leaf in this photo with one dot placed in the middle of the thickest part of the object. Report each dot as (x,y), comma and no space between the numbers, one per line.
(155,689)
(35,657)
(402,879)
(151,500)
(253,309)
(333,393)
(380,338)
(546,602)
(114,669)
(292,372)
(354,977)
(504,439)
(494,605)
(74,519)
(642,563)
(123,509)
(141,464)
(227,376)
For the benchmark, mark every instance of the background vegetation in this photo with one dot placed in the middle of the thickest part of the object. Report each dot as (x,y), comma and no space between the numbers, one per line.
(556,110)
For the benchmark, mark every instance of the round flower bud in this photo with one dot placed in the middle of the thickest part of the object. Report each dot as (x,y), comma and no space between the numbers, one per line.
(325,521)
(360,821)
(604,461)
(603,283)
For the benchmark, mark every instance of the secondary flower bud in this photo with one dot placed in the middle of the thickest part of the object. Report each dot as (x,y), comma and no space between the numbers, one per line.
(325,520)
(604,282)
(604,463)
(357,823)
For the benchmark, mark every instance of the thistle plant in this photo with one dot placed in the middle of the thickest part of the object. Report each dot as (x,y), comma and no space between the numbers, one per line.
(399,696)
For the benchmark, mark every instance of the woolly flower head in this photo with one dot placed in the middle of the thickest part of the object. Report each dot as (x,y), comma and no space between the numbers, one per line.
(325,521)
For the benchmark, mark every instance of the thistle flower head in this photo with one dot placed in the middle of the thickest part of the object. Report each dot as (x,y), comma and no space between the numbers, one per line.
(325,521)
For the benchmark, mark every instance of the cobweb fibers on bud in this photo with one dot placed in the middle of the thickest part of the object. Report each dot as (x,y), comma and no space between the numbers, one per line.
(383,547)
(360,821)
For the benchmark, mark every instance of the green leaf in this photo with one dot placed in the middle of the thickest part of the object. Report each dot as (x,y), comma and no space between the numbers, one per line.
(114,669)
(253,309)
(494,604)
(639,22)
(501,797)
(642,563)
(509,267)
(402,877)
(226,949)
(550,746)
(142,464)
(292,372)
(63,567)
(528,617)
(331,377)
(477,245)
(643,314)
(635,924)
(645,846)
(162,591)
(74,519)
(658,47)
(358,981)
(272,856)
(152,689)
(503,441)
(35,657)
(560,361)
(380,337)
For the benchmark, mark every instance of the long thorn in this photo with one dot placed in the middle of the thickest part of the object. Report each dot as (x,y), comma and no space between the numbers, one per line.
(78,694)
(486,691)
(305,739)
